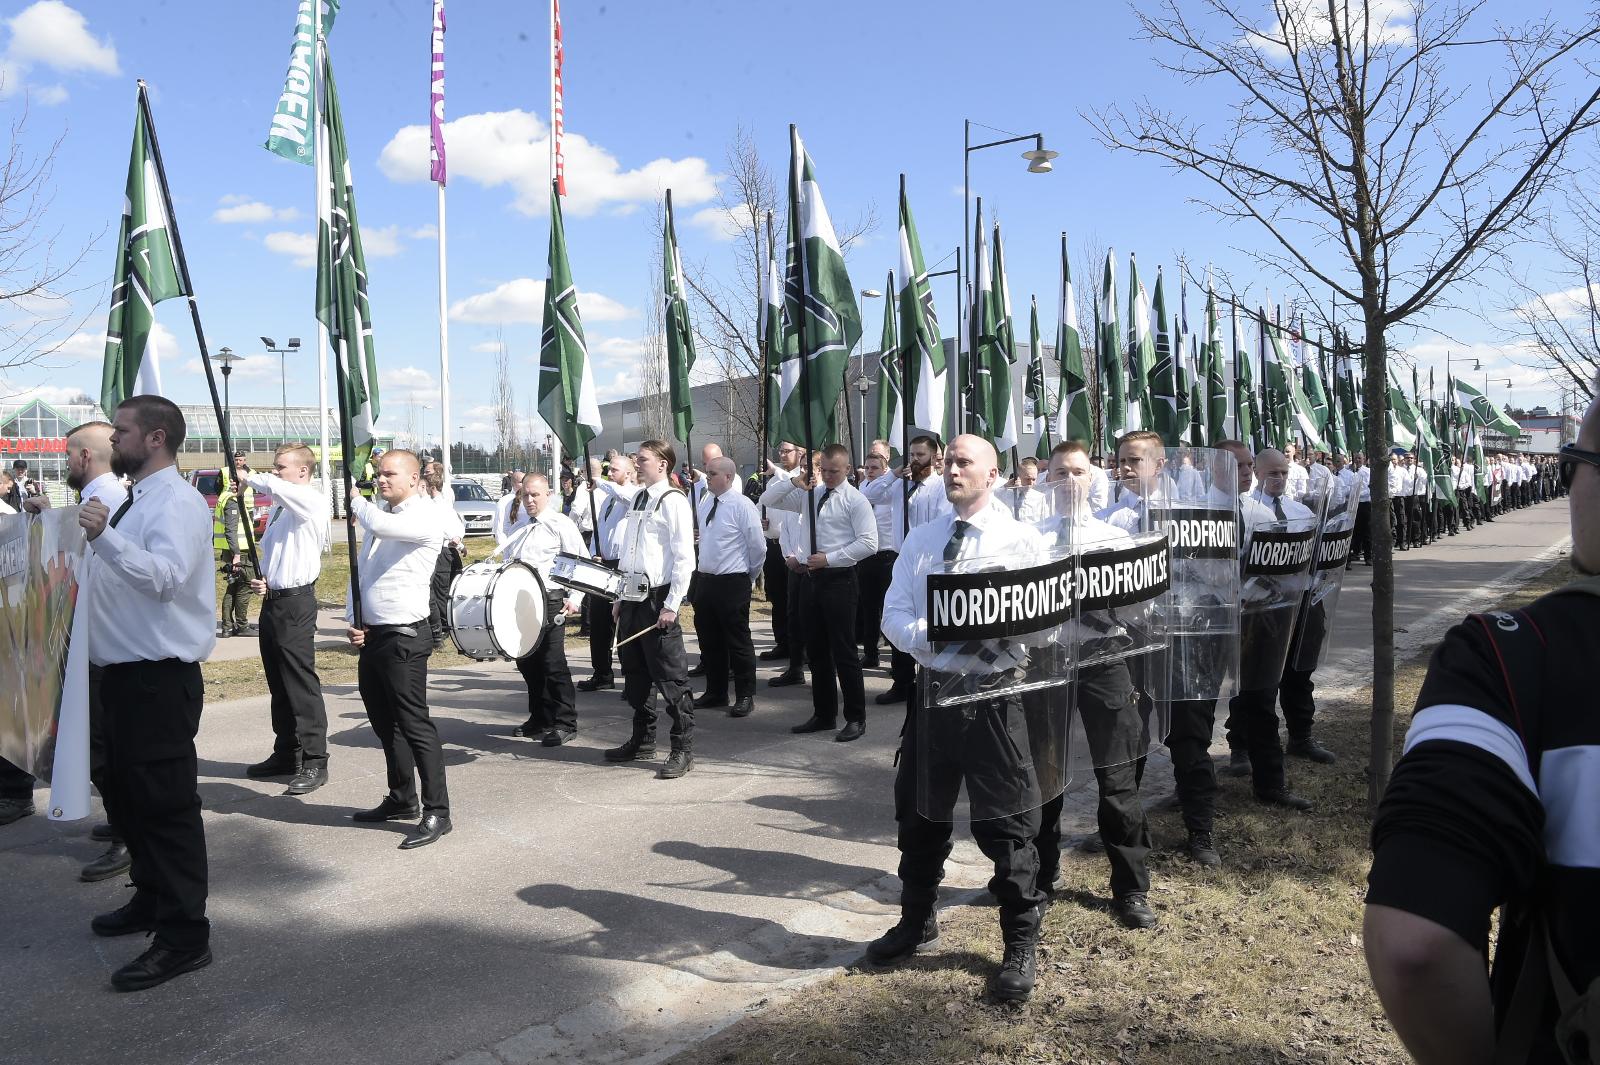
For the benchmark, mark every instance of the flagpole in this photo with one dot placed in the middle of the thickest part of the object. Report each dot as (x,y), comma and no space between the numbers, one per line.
(246,521)
(798,240)
(320,178)
(766,360)
(1233,321)
(444,351)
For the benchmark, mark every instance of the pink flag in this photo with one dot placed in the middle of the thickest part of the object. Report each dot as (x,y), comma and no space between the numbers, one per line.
(558,54)
(436,118)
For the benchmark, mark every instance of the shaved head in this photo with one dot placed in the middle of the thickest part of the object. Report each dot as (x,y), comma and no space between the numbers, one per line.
(721,465)
(971,470)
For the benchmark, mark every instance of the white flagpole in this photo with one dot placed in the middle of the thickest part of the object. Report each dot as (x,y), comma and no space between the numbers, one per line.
(322,178)
(555,437)
(444,351)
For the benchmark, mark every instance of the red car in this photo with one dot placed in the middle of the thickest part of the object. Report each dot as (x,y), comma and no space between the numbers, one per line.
(209,484)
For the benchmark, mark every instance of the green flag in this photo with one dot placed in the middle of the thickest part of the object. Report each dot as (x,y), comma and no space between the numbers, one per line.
(1113,377)
(1002,398)
(1033,375)
(680,335)
(294,121)
(342,304)
(567,399)
(1483,412)
(985,336)
(1141,350)
(772,341)
(1246,417)
(819,305)
(1197,397)
(146,274)
(889,424)
(1162,383)
(1216,381)
(922,361)
(1293,410)
(1072,414)
(1354,431)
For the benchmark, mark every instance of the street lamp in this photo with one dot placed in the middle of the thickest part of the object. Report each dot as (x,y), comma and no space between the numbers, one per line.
(283,378)
(1038,163)
(861,365)
(225,358)
(461,435)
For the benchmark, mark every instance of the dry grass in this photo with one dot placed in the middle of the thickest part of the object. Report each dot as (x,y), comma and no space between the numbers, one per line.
(1257,962)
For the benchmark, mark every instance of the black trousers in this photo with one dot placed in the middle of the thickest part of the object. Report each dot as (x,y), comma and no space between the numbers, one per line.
(393,679)
(1299,707)
(15,784)
(655,662)
(986,757)
(1361,534)
(775,579)
(1256,714)
(794,605)
(828,606)
(602,631)
(722,621)
(445,570)
(1189,741)
(1416,519)
(873,574)
(289,659)
(1118,736)
(1400,521)
(152,712)
(551,696)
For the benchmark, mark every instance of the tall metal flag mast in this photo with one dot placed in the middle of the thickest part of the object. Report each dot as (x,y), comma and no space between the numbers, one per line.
(437,174)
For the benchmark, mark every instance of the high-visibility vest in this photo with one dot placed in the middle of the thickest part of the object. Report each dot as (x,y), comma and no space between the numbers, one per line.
(219,535)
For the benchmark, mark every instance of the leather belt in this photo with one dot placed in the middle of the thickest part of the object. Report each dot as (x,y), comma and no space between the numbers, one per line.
(284,593)
(403,630)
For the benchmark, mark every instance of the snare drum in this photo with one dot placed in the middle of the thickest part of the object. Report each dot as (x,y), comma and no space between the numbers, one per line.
(497,610)
(580,574)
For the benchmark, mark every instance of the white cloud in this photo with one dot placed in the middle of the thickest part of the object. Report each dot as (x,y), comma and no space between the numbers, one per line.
(522,300)
(300,247)
(55,395)
(380,243)
(248,368)
(92,345)
(624,384)
(248,211)
(427,232)
(721,224)
(512,148)
(1308,26)
(1570,303)
(407,384)
(52,36)
(487,347)
(609,349)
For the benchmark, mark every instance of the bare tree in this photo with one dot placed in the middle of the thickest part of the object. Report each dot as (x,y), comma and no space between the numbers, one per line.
(503,397)
(655,405)
(36,314)
(1562,327)
(1354,146)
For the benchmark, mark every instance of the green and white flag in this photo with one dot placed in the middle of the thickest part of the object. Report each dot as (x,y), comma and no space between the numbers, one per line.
(820,311)
(1294,409)
(1003,377)
(1483,411)
(146,273)
(1216,380)
(1163,382)
(922,360)
(986,351)
(680,334)
(1073,421)
(294,122)
(342,304)
(889,423)
(1141,350)
(772,341)
(567,399)
(1246,415)
(1354,430)
(1113,377)
(1033,376)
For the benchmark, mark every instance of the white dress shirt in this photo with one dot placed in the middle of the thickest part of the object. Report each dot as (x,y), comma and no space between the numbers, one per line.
(1419,480)
(928,500)
(156,595)
(1397,481)
(6,508)
(291,546)
(846,531)
(1299,480)
(1099,488)
(888,509)
(658,541)
(504,524)
(1466,476)
(401,547)
(450,523)
(731,539)
(1317,479)
(613,499)
(990,533)
(538,542)
(1364,476)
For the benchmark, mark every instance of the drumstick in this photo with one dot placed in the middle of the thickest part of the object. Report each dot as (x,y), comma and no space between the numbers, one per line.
(636,635)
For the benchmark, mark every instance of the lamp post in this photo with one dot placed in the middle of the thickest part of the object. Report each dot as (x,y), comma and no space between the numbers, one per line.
(461,435)
(225,358)
(283,378)
(861,365)
(1038,163)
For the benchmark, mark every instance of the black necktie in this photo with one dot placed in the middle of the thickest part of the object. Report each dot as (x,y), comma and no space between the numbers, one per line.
(953,547)
(611,504)
(640,499)
(824,500)
(914,486)
(1277,509)
(712,513)
(126,503)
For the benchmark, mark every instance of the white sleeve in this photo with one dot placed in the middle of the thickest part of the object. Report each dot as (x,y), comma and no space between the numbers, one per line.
(782,493)
(904,627)
(674,509)
(414,525)
(177,545)
(302,500)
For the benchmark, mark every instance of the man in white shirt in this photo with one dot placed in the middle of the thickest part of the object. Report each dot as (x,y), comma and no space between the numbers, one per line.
(731,552)
(613,494)
(509,515)
(401,541)
(449,563)
(151,627)
(657,553)
(1417,513)
(1466,491)
(552,713)
(837,530)
(1361,535)
(291,561)
(1299,476)
(1399,503)
(781,585)
(874,572)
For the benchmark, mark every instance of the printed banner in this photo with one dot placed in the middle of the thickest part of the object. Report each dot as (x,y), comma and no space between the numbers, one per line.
(1275,554)
(1333,550)
(294,122)
(997,604)
(44,728)
(1125,576)
(1199,533)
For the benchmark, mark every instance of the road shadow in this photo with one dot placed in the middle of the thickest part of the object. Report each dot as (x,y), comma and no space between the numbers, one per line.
(775,874)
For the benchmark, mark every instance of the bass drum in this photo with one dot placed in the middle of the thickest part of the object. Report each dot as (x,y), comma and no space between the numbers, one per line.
(497,610)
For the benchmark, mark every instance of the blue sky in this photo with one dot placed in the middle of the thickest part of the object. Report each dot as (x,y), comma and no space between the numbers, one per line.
(653,94)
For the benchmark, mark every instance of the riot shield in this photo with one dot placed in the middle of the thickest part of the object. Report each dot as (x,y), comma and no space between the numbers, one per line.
(1274,578)
(1315,625)
(994,694)
(1202,523)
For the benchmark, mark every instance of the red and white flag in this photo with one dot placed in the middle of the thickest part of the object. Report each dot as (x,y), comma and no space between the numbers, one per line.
(557,122)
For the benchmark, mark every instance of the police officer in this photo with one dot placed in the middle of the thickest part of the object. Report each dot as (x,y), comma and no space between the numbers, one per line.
(972,528)
(291,562)
(552,715)
(228,540)
(657,563)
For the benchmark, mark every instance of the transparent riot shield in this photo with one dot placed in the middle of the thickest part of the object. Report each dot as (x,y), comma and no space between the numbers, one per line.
(1315,625)
(1274,577)
(1201,520)
(994,697)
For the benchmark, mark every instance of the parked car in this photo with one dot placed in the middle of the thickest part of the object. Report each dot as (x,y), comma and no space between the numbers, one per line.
(474,506)
(209,484)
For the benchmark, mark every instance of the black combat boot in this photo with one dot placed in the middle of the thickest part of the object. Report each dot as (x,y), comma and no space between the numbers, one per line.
(679,762)
(917,930)
(642,744)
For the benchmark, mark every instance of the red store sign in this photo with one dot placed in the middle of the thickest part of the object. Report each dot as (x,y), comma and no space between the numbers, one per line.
(34,445)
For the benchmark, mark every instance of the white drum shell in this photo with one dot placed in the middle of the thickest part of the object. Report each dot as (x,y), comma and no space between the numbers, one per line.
(497,610)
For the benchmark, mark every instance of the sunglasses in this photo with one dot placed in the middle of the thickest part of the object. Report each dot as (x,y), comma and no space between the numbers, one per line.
(1569,457)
